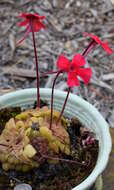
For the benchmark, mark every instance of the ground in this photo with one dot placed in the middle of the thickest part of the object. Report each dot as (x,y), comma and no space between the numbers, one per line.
(65,22)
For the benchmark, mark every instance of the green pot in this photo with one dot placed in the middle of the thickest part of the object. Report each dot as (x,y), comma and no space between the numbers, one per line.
(76,106)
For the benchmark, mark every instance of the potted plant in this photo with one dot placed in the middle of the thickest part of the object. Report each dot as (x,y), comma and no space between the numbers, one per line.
(63,134)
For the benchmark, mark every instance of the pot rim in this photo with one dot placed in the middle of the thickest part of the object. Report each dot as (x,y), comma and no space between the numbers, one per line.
(100,166)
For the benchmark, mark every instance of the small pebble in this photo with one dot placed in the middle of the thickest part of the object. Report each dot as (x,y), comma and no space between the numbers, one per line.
(23,187)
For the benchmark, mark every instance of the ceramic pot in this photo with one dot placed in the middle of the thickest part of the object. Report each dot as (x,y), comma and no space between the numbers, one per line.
(78,107)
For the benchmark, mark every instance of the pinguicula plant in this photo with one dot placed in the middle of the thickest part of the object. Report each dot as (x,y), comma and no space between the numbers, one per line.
(35,137)
(33,24)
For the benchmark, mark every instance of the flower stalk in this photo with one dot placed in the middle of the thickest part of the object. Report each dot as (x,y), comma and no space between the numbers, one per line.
(52,97)
(42,74)
(91,45)
(64,105)
(64,160)
(33,23)
(36,61)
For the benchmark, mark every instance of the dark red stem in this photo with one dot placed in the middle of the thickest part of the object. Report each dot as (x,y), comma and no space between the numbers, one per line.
(89,48)
(63,106)
(52,95)
(37,67)
(64,160)
(42,74)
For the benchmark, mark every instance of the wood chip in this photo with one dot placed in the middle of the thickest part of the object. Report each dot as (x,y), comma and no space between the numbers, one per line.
(19,72)
(107,77)
(7,1)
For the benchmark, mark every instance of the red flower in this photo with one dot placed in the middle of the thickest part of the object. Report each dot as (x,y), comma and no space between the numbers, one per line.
(35,20)
(74,69)
(104,44)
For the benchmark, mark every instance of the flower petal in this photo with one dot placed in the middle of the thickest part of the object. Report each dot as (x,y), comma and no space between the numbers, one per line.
(96,38)
(35,18)
(106,47)
(37,25)
(63,63)
(72,80)
(22,15)
(39,17)
(78,60)
(85,74)
(23,23)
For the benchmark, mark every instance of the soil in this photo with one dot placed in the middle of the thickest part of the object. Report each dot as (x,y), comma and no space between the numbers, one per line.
(48,176)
